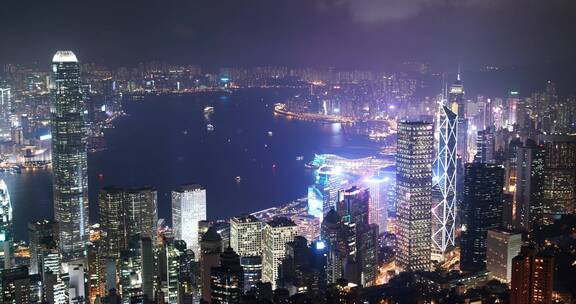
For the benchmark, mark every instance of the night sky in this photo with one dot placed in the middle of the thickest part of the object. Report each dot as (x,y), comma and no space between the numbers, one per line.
(343,33)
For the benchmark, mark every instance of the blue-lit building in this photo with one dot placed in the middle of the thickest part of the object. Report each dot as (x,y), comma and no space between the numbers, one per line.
(444,181)
(323,195)
(382,188)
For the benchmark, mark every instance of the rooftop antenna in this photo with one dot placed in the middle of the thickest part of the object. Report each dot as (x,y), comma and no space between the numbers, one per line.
(444,89)
(458,76)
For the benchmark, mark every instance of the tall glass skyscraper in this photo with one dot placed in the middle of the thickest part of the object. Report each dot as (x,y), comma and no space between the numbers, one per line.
(481,211)
(415,150)
(323,195)
(188,208)
(444,181)
(5,111)
(456,97)
(69,164)
(6,228)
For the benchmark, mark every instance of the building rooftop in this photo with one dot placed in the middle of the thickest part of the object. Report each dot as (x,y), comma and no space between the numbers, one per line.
(64,56)
(244,219)
(280,221)
(189,187)
(211,235)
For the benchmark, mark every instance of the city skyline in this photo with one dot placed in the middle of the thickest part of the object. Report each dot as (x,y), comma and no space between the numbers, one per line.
(178,184)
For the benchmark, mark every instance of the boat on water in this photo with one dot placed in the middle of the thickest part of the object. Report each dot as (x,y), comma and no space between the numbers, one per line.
(208,110)
(209,127)
(238,179)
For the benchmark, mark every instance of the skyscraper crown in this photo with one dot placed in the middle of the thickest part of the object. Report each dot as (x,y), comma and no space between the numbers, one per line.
(64,56)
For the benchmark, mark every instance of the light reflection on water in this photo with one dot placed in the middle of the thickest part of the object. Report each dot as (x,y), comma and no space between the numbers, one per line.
(164,142)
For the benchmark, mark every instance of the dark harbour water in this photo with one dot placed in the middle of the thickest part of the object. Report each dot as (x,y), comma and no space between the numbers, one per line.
(164,142)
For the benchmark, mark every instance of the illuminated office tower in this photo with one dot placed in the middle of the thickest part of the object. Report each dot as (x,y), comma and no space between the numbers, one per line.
(5,109)
(141,212)
(353,208)
(456,98)
(323,195)
(380,186)
(481,210)
(210,250)
(444,182)
(415,150)
(15,285)
(148,267)
(252,266)
(277,233)
(246,235)
(340,242)
(170,262)
(188,208)
(42,234)
(6,228)
(512,101)
(95,269)
(532,277)
(528,197)
(69,163)
(485,152)
(76,286)
(246,240)
(353,205)
(130,269)
(227,280)
(112,221)
(501,247)
(308,226)
(559,176)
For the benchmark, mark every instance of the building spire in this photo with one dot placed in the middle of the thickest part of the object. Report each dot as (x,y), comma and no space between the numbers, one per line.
(458,75)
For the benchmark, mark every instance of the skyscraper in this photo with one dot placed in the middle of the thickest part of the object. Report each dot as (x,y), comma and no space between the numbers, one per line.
(69,163)
(246,235)
(501,247)
(171,270)
(277,233)
(353,205)
(340,240)
(415,150)
(528,197)
(323,195)
(444,182)
(125,213)
(42,235)
(485,141)
(6,228)
(246,240)
(456,98)
(363,256)
(141,212)
(532,277)
(112,221)
(227,280)
(188,208)
(210,250)
(5,109)
(559,176)
(481,210)
(380,200)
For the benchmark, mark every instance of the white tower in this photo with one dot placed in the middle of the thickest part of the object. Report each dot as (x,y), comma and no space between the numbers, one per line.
(444,181)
